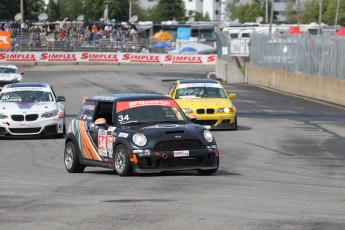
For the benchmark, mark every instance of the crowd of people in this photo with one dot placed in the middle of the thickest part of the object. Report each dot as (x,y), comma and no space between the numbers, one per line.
(47,34)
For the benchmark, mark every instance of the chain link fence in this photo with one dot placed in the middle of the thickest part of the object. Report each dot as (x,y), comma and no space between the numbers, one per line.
(307,54)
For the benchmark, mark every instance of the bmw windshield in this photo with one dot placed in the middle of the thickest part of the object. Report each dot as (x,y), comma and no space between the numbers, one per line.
(26,96)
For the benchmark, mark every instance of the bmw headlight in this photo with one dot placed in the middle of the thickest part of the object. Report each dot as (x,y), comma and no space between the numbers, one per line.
(225,110)
(50,114)
(208,135)
(3,116)
(187,110)
(139,139)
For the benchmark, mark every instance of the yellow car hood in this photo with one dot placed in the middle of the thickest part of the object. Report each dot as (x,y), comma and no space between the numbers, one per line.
(204,103)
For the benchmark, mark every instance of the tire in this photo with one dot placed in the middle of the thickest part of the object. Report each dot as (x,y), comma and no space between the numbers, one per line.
(71,159)
(122,164)
(63,134)
(235,124)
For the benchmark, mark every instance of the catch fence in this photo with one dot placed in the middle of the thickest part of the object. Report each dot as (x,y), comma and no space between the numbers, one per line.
(308,54)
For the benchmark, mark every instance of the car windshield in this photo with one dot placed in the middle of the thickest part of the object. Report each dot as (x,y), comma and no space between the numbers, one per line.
(151,114)
(8,70)
(26,96)
(198,92)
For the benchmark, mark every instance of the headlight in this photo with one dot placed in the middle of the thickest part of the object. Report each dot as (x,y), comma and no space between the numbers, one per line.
(208,135)
(3,116)
(187,110)
(139,139)
(226,110)
(50,114)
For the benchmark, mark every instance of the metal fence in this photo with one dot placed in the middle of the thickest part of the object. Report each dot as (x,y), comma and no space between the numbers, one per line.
(308,54)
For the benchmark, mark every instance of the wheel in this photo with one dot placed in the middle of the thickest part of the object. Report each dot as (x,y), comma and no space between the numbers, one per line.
(63,134)
(235,124)
(71,159)
(122,165)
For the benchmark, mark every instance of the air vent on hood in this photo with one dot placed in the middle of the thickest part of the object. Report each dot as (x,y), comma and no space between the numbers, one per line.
(175,132)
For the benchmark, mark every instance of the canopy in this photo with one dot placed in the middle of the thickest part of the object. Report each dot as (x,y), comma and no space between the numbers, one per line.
(163,36)
(341,32)
(191,47)
(293,30)
(161,45)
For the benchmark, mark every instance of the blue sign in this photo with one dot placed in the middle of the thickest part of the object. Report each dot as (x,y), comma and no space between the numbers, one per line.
(183,33)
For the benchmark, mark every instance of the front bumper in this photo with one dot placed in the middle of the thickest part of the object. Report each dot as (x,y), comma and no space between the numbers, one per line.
(51,126)
(149,161)
(217,121)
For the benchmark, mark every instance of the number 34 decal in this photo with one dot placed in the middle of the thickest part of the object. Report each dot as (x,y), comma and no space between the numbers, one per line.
(123,118)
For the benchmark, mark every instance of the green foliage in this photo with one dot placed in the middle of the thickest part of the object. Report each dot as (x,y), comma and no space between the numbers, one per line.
(168,10)
(198,16)
(290,15)
(33,8)
(8,9)
(310,11)
(53,10)
(330,12)
(246,12)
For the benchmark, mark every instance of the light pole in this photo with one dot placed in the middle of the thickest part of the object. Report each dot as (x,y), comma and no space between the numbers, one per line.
(266,11)
(21,14)
(336,17)
(130,9)
(320,18)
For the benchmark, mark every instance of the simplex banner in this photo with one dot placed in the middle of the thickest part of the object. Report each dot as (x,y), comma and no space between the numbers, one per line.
(103,57)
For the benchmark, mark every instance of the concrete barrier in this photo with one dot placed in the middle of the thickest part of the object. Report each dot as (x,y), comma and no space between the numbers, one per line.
(229,72)
(321,88)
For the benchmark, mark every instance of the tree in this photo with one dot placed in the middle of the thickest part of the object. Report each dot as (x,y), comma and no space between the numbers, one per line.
(310,11)
(246,12)
(168,10)
(290,15)
(329,15)
(8,9)
(33,8)
(53,10)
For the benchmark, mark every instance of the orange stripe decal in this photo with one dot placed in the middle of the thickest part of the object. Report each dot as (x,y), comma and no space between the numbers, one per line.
(86,146)
(133,158)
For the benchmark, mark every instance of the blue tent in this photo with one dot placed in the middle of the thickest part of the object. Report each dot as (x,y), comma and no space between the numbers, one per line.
(188,50)
(161,45)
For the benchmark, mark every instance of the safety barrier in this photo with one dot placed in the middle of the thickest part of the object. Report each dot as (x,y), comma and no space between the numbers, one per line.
(103,57)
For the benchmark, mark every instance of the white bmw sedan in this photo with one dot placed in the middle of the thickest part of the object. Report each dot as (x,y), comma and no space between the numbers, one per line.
(10,74)
(31,109)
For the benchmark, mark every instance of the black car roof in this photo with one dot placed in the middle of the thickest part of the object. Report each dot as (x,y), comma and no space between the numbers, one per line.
(127,97)
(186,81)
(29,84)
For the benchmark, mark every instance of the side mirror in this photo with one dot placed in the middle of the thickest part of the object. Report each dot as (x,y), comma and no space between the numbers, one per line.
(192,117)
(232,96)
(22,72)
(100,121)
(60,98)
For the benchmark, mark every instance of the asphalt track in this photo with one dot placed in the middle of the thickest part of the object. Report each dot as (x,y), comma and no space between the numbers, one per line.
(284,168)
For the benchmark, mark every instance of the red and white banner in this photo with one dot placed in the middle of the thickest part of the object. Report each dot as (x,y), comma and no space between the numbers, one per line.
(102,57)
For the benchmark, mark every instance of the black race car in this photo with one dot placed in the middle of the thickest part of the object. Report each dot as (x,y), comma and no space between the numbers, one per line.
(138,133)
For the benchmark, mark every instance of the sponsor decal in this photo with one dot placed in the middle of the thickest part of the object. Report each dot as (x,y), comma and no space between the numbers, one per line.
(5,40)
(211,59)
(102,142)
(123,105)
(190,85)
(20,57)
(183,59)
(141,58)
(125,135)
(57,57)
(182,153)
(106,57)
(137,151)
(110,145)
(111,129)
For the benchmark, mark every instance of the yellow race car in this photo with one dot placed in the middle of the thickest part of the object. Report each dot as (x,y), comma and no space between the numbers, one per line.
(207,100)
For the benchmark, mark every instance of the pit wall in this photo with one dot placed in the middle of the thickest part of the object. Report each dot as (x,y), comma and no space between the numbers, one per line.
(321,88)
(230,71)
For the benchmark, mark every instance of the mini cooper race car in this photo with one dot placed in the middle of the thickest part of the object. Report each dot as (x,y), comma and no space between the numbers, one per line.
(31,109)
(10,74)
(137,133)
(207,100)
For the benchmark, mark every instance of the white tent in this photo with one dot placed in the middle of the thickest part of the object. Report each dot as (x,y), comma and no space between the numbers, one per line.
(190,47)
